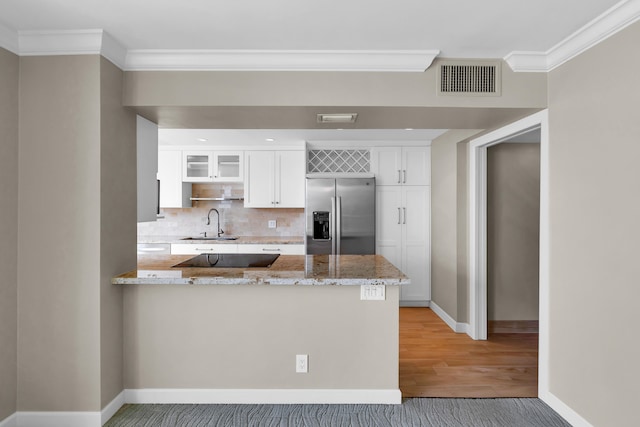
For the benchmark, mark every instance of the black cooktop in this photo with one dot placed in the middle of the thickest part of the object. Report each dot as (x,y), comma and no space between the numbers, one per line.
(230,261)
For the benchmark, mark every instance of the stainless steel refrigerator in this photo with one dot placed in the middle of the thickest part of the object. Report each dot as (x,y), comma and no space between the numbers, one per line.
(340,216)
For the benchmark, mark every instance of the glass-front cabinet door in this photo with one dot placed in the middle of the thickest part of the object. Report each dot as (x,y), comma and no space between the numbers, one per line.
(197,166)
(228,166)
(212,166)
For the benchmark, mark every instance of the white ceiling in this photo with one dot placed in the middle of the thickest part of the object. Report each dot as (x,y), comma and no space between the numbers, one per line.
(454,28)
(457,28)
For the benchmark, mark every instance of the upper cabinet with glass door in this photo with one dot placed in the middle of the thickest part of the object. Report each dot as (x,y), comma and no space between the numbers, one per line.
(212,166)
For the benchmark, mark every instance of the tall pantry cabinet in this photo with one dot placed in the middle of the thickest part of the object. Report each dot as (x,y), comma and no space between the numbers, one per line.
(403,216)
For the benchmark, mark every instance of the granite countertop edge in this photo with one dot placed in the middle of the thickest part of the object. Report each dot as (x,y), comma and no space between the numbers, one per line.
(287,270)
(264,240)
(196,281)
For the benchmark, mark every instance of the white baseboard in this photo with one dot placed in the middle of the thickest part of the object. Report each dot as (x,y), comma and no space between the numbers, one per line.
(113,406)
(58,419)
(263,396)
(213,396)
(571,416)
(461,328)
(10,421)
(408,303)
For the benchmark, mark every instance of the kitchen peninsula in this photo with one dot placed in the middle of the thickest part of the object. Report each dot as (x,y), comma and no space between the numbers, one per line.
(221,335)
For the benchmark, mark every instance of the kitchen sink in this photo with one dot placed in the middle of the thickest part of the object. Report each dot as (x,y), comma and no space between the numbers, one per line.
(210,238)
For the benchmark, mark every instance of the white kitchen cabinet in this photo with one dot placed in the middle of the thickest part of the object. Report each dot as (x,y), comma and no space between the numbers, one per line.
(256,248)
(212,166)
(274,179)
(174,193)
(197,166)
(228,166)
(203,248)
(403,227)
(401,165)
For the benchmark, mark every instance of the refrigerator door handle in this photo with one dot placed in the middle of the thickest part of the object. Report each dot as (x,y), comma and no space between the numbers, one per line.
(404,210)
(332,229)
(338,224)
(399,216)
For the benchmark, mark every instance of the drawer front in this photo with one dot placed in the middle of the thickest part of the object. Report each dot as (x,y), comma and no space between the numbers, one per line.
(203,248)
(154,248)
(252,248)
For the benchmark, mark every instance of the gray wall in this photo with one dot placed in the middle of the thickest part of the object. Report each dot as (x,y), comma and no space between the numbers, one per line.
(445,207)
(9,231)
(246,337)
(462,222)
(272,100)
(284,89)
(595,231)
(77,230)
(513,231)
(117,221)
(59,234)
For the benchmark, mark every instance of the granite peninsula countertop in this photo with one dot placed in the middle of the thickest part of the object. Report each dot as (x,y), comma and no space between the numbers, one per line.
(286,270)
(262,240)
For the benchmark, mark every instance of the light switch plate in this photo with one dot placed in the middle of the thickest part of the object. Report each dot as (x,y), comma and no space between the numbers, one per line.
(372,292)
(272,223)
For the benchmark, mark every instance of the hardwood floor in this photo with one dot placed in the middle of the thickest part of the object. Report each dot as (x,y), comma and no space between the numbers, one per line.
(437,362)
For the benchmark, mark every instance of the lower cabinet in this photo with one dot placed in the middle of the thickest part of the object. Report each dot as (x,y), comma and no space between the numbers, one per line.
(254,248)
(403,225)
(197,248)
(232,248)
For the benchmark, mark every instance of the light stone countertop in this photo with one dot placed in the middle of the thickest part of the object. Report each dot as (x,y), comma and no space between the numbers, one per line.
(286,270)
(262,240)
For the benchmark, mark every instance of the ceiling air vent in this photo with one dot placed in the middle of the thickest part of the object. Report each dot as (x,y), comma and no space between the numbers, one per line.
(478,79)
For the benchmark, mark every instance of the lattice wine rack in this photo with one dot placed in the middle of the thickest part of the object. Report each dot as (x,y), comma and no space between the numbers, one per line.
(344,161)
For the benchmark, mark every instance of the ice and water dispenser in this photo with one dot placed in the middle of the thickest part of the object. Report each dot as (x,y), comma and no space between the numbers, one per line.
(321,225)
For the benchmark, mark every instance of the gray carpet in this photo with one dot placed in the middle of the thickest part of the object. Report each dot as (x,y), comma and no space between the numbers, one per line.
(413,412)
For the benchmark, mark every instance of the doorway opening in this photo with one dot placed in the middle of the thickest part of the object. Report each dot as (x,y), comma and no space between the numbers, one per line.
(513,231)
(478,233)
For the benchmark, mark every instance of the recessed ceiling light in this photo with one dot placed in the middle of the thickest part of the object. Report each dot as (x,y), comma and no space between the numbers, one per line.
(269,139)
(408,128)
(202,139)
(337,118)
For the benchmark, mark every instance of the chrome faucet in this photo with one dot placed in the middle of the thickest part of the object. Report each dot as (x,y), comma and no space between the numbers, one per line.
(220,231)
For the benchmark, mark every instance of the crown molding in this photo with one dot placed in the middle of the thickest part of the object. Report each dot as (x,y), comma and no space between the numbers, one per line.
(604,26)
(113,51)
(98,42)
(281,60)
(9,39)
(71,42)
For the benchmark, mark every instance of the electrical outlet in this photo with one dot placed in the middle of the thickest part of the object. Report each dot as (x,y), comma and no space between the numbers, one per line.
(302,363)
(272,223)
(372,292)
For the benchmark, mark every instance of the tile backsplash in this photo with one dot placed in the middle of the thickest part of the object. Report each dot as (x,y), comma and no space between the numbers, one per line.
(235,219)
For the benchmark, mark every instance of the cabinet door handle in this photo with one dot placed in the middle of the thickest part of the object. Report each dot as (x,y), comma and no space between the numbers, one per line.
(404,176)
(398,176)
(404,210)
(271,250)
(399,216)
(204,249)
